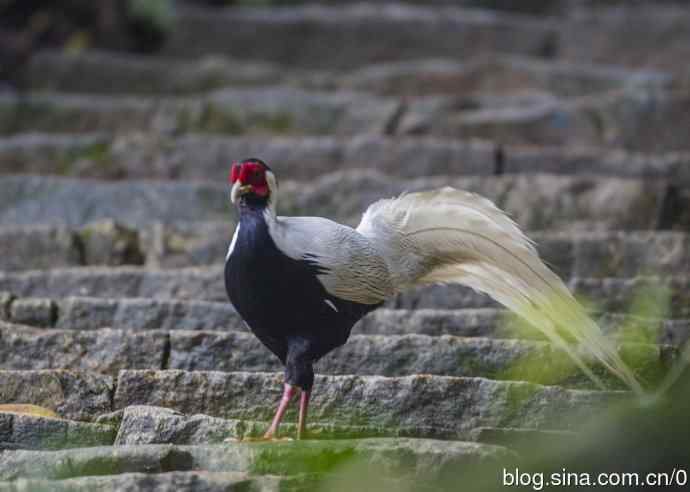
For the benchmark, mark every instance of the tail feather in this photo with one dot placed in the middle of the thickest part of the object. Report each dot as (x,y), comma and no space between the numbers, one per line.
(452,236)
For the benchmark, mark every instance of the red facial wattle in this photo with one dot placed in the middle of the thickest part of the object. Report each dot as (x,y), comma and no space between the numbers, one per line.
(234,172)
(250,173)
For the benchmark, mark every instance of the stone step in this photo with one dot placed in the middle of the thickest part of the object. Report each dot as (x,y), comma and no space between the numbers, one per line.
(418,405)
(347,36)
(182,481)
(501,324)
(91,313)
(106,243)
(536,202)
(399,355)
(141,424)
(103,72)
(599,121)
(108,351)
(344,36)
(201,157)
(206,284)
(19,431)
(422,404)
(491,79)
(602,294)
(103,350)
(273,110)
(593,121)
(423,460)
(605,35)
(73,395)
(45,247)
(111,72)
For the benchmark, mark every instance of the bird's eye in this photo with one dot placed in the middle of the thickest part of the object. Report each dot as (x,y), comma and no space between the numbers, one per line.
(256,178)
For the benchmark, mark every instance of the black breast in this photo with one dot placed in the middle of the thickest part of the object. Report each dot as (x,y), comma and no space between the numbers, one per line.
(281,298)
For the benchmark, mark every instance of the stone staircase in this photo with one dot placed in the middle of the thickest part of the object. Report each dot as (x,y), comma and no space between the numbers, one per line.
(115,219)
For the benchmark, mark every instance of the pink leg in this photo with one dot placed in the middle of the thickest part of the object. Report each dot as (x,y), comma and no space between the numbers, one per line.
(288,393)
(303,405)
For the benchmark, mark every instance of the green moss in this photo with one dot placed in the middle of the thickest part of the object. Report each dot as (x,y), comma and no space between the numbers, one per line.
(279,123)
(214,119)
(517,397)
(288,458)
(106,465)
(544,367)
(474,366)
(98,154)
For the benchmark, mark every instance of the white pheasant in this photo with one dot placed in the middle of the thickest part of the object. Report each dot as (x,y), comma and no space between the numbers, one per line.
(301,283)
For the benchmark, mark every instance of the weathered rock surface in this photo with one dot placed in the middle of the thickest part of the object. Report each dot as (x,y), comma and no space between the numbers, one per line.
(104,72)
(105,350)
(43,247)
(623,255)
(406,458)
(582,254)
(617,120)
(29,200)
(51,154)
(186,481)
(435,403)
(108,243)
(185,244)
(648,35)
(98,72)
(536,201)
(35,312)
(142,424)
(6,299)
(38,246)
(610,294)
(342,37)
(188,283)
(398,355)
(89,313)
(109,351)
(495,74)
(230,111)
(607,294)
(139,155)
(73,395)
(19,431)
(593,161)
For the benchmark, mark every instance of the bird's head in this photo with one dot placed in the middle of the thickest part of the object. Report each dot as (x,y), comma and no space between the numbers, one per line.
(252,182)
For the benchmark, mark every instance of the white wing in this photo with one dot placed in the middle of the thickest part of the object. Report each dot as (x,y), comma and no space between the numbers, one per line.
(448,235)
(352,268)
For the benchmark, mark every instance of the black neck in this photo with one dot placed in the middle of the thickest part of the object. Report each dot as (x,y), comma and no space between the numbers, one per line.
(252,204)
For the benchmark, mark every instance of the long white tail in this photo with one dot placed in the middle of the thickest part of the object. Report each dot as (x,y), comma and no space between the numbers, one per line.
(452,236)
